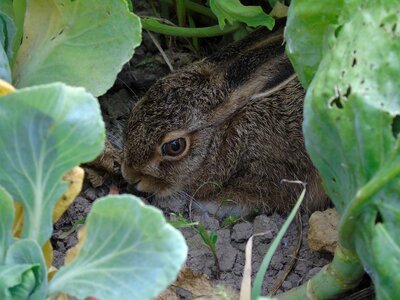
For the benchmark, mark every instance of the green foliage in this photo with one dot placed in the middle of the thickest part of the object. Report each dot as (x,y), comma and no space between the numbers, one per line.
(61,127)
(307,23)
(237,15)
(81,43)
(44,131)
(209,238)
(125,240)
(234,11)
(351,122)
(230,221)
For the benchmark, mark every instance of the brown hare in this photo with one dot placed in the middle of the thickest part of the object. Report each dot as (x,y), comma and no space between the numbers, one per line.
(228,127)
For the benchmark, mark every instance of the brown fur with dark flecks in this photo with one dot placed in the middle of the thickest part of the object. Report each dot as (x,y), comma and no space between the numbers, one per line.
(239,146)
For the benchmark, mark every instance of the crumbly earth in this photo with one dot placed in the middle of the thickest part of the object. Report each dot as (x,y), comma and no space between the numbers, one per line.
(146,66)
(231,243)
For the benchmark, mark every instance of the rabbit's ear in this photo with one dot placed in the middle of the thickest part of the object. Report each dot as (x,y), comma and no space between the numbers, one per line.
(259,71)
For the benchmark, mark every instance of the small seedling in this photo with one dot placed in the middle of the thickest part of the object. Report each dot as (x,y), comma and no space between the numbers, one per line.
(209,237)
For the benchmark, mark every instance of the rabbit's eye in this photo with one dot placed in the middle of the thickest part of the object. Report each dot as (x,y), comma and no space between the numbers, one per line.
(174,147)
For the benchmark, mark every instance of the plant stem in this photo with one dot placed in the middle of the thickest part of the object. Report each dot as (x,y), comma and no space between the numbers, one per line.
(341,275)
(195,40)
(195,7)
(363,197)
(181,12)
(153,24)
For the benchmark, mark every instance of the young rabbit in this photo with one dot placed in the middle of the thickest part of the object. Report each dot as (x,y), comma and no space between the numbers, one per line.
(226,127)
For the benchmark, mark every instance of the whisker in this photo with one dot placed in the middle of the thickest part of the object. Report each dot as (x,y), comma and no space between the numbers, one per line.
(193,200)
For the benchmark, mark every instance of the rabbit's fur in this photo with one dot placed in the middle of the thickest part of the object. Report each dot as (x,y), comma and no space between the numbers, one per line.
(240,112)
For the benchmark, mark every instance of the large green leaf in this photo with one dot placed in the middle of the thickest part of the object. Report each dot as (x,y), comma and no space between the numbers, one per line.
(44,132)
(6,222)
(351,123)
(28,252)
(307,23)
(17,281)
(130,253)
(82,43)
(233,11)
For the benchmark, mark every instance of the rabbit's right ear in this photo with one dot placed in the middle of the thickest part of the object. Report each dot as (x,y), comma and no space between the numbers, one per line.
(260,70)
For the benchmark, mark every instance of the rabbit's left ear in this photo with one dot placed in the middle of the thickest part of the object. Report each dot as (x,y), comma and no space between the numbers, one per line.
(260,71)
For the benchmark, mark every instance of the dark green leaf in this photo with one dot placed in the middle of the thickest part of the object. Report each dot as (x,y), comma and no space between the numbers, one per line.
(234,11)
(350,112)
(307,23)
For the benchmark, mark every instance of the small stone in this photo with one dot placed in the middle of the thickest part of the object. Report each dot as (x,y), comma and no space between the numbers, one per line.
(323,232)
(175,204)
(90,193)
(286,285)
(225,252)
(242,232)
(301,267)
(263,223)
(295,278)
(72,241)
(183,294)
(208,222)
(312,272)
(276,261)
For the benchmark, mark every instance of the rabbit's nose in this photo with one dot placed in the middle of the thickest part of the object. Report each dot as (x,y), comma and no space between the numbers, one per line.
(130,174)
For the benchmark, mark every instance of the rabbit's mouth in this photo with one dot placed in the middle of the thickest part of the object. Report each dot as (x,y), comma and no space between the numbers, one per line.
(155,186)
(146,183)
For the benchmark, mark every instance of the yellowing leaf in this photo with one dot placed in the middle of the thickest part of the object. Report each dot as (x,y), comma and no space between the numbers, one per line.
(18,220)
(75,179)
(47,250)
(5,88)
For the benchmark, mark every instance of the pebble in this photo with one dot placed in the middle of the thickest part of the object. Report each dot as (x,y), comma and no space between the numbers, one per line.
(242,232)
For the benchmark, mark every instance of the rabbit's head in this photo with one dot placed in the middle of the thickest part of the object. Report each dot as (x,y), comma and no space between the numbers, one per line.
(172,129)
(168,134)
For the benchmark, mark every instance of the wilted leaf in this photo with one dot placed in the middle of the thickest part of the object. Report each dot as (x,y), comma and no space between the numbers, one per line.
(129,247)
(279,10)
(82,43)
(48,254)
(5,88)
(45,131)
(350,111)
(198,285)
(74,178)
(233,11)
(74,251)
